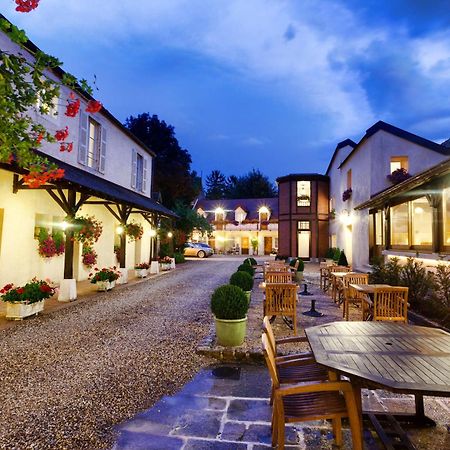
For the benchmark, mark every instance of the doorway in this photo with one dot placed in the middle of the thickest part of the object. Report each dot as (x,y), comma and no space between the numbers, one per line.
(304,241)
(268,245)
(245,245)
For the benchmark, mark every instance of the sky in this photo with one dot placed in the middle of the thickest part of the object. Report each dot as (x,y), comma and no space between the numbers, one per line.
(266,84)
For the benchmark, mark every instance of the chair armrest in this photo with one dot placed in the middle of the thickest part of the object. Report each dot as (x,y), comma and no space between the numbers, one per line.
(325,386)
(295,360)
(289,340)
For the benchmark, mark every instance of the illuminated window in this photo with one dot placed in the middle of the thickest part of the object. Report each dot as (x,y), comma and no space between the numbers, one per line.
(239,215)
(349,179)
(422,222)
(220,215)
(303,193)
(379,228)
(399,162)
(303,225)
(42,221)
(93,144)
(446,218)
(399,225)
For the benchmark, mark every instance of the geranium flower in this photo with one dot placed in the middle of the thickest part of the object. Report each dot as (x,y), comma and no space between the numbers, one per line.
(20,291)
(62,135)
(93,106)
(72,107)
(26,5)
(66,147)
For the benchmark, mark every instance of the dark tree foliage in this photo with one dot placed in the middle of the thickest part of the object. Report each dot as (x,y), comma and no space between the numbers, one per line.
(215,185)
(172,175)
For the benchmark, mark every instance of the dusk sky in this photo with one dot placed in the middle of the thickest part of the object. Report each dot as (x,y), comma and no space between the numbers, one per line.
(268,84)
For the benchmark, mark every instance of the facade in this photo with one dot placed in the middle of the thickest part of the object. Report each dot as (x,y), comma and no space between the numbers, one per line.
(303,215)
(107,175)
(241,226)
(363,168)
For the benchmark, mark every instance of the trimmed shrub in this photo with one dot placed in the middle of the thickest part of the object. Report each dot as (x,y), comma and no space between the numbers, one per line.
(250,261)
(342,261)
(229,303)
(301,264)
(415,276)
(337,254)
(330,253)
(242,280)
(281,258)
(179,258)
(442,280)
(246,268)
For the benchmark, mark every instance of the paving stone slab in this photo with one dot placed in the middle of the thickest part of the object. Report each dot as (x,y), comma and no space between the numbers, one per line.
(233,431)
(249,410)
(140,441)
(258,433)
(198,423)
(193,444)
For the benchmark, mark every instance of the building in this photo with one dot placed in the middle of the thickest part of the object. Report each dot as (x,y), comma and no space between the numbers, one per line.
(303,215)
(107,175)
(241,226)
(361,172)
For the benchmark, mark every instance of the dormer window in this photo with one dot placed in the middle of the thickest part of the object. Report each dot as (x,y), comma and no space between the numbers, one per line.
(239,215)
(303,193)
(201,212)
(398,162)
(219,214)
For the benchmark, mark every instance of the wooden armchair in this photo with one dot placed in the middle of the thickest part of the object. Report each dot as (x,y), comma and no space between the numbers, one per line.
(332,281)
(281,300)
(350,295)
(278,277)
(389,304)
(311,401)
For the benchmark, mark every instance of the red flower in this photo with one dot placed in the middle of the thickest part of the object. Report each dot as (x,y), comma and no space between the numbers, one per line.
(26,5)
(45,288)
(72,107)
(93,106)
(20,291)
(61,135)
(39,138)
(6,288)
(66,146)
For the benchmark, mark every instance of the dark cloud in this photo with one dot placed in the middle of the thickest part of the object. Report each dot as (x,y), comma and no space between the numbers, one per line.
(290,33)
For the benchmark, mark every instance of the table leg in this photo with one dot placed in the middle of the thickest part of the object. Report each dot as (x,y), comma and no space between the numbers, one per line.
(356,387)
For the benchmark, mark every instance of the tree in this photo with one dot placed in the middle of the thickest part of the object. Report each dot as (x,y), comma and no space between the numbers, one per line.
(172,175)
(188,221)
(252,185)
(216,185)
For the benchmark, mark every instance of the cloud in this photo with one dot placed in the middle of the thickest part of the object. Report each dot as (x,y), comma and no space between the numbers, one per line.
(252,141)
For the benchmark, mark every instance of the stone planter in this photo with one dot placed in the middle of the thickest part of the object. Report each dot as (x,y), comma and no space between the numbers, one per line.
(231,333)
(17,311)
(103,286)
(141,273)
(67,290)
(165,266)
(299,277)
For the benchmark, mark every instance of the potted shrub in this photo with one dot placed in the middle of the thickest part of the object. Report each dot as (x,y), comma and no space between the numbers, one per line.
(105,279)
(300,268)
(244,281)
(246,268)
(142,269)
(24,301)
(251,262)
(229,305)
(342,261)
(329,256)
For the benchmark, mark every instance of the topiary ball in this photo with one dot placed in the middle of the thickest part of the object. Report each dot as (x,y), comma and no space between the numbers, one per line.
(229,303)
(342,259)
(246,268)
(242,280)
(301,264)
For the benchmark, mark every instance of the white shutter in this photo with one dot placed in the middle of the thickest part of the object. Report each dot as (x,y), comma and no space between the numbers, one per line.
(83,138)
(102,155)
(144,174)
(133,167)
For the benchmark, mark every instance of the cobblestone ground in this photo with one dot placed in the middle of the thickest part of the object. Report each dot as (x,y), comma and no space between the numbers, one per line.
(68,377)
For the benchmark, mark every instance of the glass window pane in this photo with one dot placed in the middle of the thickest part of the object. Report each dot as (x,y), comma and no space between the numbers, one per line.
(303,225)
(399,225)
(303,193)
(379,228)
(422,220)
(446,218)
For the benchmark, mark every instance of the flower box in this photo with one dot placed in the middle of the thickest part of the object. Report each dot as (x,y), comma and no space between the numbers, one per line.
(17,311)
(141,273)
(165,266)
(105,285)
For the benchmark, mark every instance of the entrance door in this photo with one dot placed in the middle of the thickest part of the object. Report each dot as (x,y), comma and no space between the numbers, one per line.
(267,245)
(304,238)
(245,245)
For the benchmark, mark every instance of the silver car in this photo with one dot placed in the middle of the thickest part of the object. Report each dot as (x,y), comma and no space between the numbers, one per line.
(199,250)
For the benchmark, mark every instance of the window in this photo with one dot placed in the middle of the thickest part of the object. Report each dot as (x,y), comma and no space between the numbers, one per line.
(303,193)
(239,215)
(219,215)
(349,179)
(42,221)
(446,217)
(399,162)
(303,225)
(422,222)
(93,144)
(48,109)
(379,228)
(303,239)
(400,225)
(138,171)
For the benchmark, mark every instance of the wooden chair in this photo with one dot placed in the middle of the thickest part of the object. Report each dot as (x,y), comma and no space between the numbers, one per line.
(311,401)
(389,304)
(332,280)
(278,277)
(350,295)
(281,300)
(324,274)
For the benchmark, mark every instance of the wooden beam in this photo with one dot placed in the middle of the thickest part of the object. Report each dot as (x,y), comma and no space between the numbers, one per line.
(112,212)
(82,201)
(64,206)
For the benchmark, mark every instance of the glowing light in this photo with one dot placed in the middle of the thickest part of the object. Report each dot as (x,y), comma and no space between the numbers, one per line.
(169,234)
(119,229)
(152,232)
(64,226)
(263,210)
(345,218)
(219,211)
(221,239)
(418,210)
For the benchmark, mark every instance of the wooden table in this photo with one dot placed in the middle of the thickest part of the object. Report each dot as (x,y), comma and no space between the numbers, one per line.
(335,276)
(397,357)
(369,290)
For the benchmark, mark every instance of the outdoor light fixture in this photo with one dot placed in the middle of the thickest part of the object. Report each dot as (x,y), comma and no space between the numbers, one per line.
(119,229)
(418,210)
(345,217)
(169,234)
(219,211)
(64,225)
(152,232)
(221,238)
(263,210)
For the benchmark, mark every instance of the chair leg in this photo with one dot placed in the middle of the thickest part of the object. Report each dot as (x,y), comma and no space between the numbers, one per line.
(354,416)
(294,320)
(274,426)
(337,430)
(280,432)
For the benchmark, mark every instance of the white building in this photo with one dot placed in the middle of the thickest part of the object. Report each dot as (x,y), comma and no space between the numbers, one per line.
(107,175)
(363,168)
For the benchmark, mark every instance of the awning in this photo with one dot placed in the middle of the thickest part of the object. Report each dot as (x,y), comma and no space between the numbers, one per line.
(405,189)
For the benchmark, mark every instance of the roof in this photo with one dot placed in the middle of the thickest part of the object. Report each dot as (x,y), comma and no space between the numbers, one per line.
(33,48)
(342,144)
(99,187)
(302,176)
(250,205)
(399,191)
(388,128)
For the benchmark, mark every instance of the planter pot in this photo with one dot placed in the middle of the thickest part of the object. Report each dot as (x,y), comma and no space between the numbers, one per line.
(248,294)
(165,266)
(154,267)
(329,261)
(231,333)
(104,285)
(67,290)
(299,277)
(141,273)
(18,311)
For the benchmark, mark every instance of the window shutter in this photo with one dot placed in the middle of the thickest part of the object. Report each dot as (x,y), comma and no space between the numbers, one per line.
(133,167)
(102,157)
(83,138)
(144,175)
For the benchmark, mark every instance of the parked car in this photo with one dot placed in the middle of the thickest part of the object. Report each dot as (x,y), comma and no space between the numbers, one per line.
(197,249)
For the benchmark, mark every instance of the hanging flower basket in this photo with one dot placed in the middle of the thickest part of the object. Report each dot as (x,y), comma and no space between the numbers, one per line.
(347,194)
(50,245)
(134,231)
(89,256)
(86,229)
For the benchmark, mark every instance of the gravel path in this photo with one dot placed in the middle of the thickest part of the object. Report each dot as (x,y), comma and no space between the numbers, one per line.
(68,377)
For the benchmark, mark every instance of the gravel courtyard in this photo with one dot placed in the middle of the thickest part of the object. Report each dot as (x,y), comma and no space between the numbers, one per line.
(68,377)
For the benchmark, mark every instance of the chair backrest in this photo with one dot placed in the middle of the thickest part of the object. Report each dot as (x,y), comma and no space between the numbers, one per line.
(355,278)
(277,268)
(278,277)
(269,356)
(267,328)
(391,304)
(339,269)
(281,298)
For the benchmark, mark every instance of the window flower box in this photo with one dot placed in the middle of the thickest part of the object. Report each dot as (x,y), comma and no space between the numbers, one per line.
(347,194)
